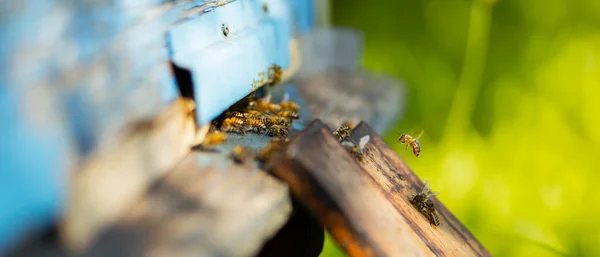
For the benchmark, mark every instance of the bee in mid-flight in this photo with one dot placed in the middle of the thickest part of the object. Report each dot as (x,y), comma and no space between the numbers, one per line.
(342,133)
(357,150)
(422,201)
(412,141)
(225,29)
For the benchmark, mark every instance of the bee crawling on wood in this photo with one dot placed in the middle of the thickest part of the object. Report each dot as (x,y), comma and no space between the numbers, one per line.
(279,121)
(211,140)
(288,114)
(278,131)
(233,124)
(422,201)
(288,105)
(411,140)
(254,123)
(240,154)
(275,146)
(342,133)
(357,150)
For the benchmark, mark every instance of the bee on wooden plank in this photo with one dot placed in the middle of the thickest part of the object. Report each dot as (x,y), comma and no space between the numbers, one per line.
(240,154)
(422,201)
(342,133)
(254,123)
(412,141)
(233,124)
(276,145)
(278,131)
(288,115)
(288,105)
(211,140)
(264,105)
(357,150)
(279,121)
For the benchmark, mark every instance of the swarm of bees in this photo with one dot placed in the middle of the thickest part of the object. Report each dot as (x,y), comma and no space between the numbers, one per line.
(422,201)
(412,141)
(262,116)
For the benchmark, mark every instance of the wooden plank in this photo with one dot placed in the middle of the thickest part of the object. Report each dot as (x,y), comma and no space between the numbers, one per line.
(207,206)
(102,189)
(400,184)
(352,208)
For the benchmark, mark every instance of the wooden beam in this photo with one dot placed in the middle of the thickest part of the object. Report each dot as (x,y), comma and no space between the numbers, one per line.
(207,206)
(112,178)
(400,184)
(325,177)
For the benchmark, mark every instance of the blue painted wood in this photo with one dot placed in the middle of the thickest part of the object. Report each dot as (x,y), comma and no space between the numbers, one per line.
(304,15)
(224,67)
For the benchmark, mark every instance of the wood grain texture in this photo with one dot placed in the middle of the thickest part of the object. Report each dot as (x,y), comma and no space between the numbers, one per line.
(352,208)
(400,184)
(207,206)
(111,179)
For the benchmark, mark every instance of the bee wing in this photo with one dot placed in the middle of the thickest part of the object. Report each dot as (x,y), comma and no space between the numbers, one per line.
(417,134)
(286,97)
(347,144)
(425,187)
(434,194)
(363,141)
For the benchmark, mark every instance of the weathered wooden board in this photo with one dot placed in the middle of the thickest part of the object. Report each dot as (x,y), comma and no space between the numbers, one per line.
(400,185)
(351,206)
(207,206)
(112,179)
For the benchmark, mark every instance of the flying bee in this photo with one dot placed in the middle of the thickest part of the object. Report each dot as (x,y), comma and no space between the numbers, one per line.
(422,201)
(411,140)
(253,123)
(225,29)
(239,154)
(278,131)
(288,105)
(357,150)
(233,124)
(274,75)
(342,133)
(211,140)
(288,114)
(265,8)
(279,121)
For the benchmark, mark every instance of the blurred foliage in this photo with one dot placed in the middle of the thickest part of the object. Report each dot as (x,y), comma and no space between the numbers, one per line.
(507,94)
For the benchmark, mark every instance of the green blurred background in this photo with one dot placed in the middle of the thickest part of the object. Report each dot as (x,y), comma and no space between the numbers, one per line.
(507,92)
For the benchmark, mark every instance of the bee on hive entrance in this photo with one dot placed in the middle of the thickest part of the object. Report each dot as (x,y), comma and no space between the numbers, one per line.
(279,121)
(239,154)
(422,201)
(288,115)
(275,73)
(357,150)
(211,140)
(257,124)
(233,124)
(412,141)
(342,133)
(288,105)
(278,131)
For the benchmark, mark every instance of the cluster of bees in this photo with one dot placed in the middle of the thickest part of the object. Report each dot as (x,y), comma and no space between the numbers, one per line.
(262,116)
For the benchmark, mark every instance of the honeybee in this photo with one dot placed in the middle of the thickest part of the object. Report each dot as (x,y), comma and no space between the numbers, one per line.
(288,114)
(225,29)
(288,105)
(276,145)
(211,140)
(255,123)
(278,131)
(422,201)
(274,75)
(234,114)
(264,105)
(342,133)
(265,8)
(411,140)
(239,154)
(279,121)
(233,124)
(357,150)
